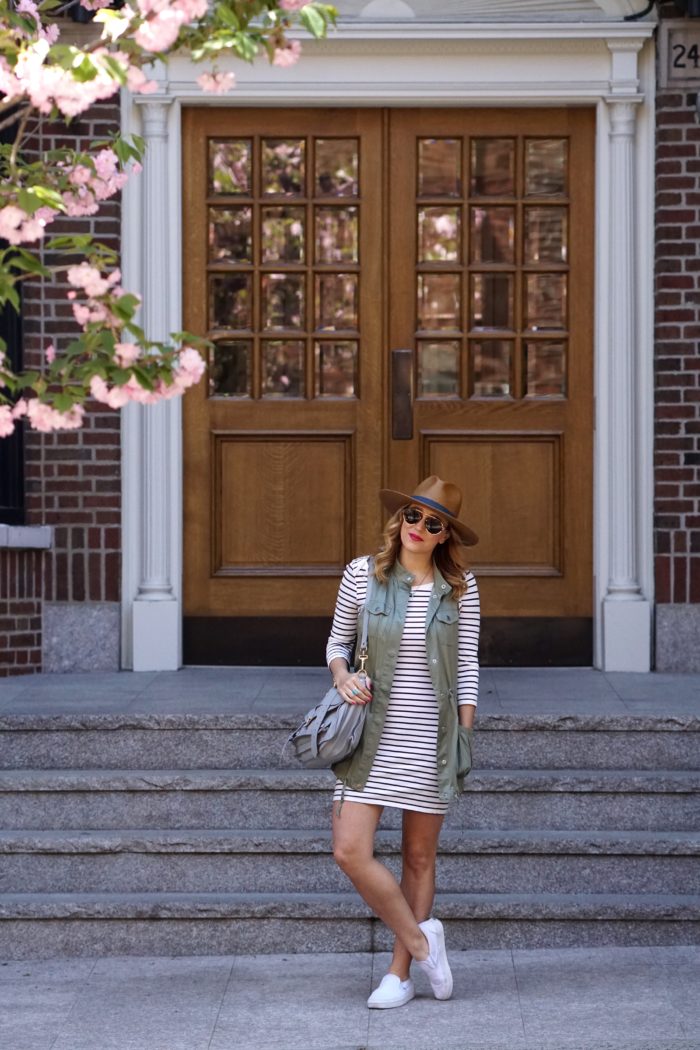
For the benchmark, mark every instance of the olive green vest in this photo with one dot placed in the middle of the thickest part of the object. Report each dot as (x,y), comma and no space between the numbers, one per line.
(387,613)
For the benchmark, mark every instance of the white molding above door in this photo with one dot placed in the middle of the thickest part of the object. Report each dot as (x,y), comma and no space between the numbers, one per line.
(609,65)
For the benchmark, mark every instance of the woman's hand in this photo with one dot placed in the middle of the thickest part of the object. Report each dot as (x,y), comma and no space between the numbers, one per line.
(355,688)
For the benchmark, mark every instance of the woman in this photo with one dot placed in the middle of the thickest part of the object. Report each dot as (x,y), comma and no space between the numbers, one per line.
(416,745)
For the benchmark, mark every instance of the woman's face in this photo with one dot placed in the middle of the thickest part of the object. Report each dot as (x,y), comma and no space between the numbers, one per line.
(416,538)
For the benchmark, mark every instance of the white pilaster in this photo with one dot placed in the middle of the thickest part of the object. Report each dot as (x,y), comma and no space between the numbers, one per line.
(626,611)
(156,609)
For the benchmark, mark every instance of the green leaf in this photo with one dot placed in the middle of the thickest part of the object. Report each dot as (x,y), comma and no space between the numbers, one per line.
(48,196)
(28,263)
(115,68)
(63,402)
(71,242)
(312,19)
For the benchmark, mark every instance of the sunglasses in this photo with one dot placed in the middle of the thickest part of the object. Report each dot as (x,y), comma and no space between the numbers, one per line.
(412,515)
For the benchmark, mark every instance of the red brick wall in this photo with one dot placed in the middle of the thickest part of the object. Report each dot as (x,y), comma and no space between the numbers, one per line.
(20,611)
(677,350)
(73,479)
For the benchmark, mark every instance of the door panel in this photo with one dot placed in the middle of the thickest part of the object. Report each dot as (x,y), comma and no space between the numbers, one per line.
(282,272)
(494,211)
(390,294)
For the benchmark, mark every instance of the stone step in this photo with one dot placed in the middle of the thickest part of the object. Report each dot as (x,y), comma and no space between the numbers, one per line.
(252,799)
(212,741)
(34,926)
(192,860)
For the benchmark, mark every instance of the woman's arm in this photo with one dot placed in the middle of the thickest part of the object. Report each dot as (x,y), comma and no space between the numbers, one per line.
(343,636)
(468,661)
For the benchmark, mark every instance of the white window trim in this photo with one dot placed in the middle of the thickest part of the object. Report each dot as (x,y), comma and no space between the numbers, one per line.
(608,65)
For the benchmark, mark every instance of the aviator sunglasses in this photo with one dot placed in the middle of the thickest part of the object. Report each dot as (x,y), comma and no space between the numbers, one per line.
(412,515)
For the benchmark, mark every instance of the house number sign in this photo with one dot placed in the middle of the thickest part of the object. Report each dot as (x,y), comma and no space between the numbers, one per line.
(680,54)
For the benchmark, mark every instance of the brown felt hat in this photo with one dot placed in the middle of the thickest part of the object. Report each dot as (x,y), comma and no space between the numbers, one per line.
(434,494)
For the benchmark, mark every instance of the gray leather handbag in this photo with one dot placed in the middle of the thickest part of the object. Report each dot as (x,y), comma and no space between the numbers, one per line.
(331,730)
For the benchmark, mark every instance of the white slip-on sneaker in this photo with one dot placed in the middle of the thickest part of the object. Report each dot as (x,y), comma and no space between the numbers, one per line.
(436,967)
(391,992)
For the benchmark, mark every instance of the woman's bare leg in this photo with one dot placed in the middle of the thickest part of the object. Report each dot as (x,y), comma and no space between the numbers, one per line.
(353,848)
(418,851)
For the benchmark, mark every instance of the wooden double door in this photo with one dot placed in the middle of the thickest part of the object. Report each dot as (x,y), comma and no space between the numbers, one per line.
(390,294)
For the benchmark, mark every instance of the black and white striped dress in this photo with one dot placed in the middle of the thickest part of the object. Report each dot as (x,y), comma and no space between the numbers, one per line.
(404,773)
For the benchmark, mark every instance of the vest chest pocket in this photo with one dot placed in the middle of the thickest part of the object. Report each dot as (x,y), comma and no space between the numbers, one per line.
(447,623)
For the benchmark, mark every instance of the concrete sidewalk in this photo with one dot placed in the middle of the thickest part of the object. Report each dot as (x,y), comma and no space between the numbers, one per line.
(544,999)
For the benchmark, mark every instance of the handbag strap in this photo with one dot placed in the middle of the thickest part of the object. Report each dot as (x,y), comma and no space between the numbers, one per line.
(362,651)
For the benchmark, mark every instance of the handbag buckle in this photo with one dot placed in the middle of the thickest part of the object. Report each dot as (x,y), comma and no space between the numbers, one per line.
(363,656)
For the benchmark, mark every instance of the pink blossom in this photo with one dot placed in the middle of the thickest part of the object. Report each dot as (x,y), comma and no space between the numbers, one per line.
(115,397)
(50,354)
(161,32)
(44,418)
(11,219)
(20,409)
(6,422)
(138,82)
(287,55)
(28,7)
(80,203)
(293,5)
(81,314)
(51,33)
(126,353)
(10,86)
(139,393)
(80,175)
(95,5)
(189,369)
(16,226)
(88,278)
(191,9)
(216,83)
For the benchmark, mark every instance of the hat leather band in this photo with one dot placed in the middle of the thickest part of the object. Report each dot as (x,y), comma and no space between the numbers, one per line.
(434,504)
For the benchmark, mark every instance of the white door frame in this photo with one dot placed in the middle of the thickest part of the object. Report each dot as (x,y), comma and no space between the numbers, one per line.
(609,65)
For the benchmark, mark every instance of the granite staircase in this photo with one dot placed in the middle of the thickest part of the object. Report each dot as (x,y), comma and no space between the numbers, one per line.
(192,834)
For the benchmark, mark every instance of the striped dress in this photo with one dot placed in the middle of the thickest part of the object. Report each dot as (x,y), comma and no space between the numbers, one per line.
(404,773)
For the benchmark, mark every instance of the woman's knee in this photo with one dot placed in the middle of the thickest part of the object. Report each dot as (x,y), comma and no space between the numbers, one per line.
(349,856)
(418,859)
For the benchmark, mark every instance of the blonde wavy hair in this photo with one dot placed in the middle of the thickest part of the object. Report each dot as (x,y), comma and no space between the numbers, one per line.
(448,556)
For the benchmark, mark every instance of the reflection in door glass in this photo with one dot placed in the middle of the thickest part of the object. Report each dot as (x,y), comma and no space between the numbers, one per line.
(283,368)
(545,167)
(336,301)
(545,301)
(230,300)
(283,167)
(336,235)
(230,235)
(438,369)
(546,369)
(439,167)
(282,300)
(491,300)
(336,369)
(492,235)
(230,166)
(283,234)
(438,300)
(492,167)
(491,367)
(439,234)
(545,235)
(337,167)
(229,368)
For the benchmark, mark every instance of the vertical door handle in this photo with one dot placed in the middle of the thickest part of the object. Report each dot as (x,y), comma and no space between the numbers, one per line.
(402,395)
